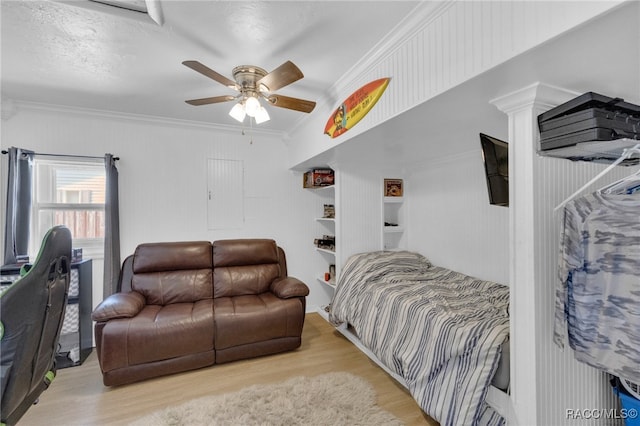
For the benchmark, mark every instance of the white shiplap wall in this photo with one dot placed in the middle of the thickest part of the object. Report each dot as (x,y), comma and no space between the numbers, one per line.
(360,210)
(452,222)
(440,45)
(575,385)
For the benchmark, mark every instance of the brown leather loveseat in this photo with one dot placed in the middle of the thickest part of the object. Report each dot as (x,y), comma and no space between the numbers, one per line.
(187,305)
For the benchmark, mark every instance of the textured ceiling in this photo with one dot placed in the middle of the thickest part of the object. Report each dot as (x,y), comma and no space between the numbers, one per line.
(79,54)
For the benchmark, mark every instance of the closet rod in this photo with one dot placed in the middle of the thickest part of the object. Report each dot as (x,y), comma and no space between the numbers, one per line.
(67,155)
(625,154)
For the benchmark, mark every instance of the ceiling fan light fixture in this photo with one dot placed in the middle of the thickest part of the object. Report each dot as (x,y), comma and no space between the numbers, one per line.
(262,115)
(253,83)
(238,112)
(251,106)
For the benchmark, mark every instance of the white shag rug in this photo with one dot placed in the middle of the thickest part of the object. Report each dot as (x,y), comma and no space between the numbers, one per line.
(329,399)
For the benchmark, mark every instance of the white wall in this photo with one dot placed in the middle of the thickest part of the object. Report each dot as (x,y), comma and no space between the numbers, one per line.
(163,179)
(360,210)
(452,222)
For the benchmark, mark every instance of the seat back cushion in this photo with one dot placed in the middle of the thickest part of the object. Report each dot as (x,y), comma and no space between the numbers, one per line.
(173,272)
(244,266)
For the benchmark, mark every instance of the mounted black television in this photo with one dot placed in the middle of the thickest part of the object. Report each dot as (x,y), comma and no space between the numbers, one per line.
(495,155)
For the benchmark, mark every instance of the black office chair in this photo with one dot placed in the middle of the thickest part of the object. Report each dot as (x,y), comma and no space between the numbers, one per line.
(31,315)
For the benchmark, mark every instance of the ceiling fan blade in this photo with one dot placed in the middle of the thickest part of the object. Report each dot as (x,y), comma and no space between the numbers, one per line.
(206,71)
(282,76)
(291,103)
(213,100)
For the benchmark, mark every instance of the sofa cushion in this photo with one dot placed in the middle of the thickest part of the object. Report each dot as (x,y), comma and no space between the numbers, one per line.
(244,267)
(163,288)
(243,280)
(176,272)
(158,333)
(249,319)
(172,256)
(244,252)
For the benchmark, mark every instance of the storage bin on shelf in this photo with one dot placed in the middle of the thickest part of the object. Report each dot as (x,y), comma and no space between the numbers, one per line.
(630,404)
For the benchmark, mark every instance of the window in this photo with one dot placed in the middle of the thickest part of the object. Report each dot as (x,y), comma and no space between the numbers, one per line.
(70,193)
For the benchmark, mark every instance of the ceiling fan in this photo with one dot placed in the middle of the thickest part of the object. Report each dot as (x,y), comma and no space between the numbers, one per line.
(254,83)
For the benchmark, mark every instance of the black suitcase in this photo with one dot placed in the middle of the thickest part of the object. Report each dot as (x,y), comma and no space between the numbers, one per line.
(589,135)
(589,117)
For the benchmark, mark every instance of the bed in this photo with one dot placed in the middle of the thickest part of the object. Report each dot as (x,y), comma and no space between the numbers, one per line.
(442,333)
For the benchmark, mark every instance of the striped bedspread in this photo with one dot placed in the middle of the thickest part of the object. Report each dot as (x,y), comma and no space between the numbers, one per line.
(439,329)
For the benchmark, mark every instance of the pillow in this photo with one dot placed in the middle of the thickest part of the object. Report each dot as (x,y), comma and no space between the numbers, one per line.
(382,265)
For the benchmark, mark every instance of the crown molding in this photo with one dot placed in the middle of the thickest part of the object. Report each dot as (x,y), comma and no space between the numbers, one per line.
(152,15)
(7,109)
(140,118)
(541,94)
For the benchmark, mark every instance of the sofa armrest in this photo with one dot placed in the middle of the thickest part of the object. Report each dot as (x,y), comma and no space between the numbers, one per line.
(288,287)
(119,305)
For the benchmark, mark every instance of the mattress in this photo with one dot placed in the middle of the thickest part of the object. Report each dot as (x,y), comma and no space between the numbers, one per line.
(501,378)
(449,355)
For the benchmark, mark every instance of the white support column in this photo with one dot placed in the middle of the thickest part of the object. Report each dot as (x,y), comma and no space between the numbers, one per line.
(523,108)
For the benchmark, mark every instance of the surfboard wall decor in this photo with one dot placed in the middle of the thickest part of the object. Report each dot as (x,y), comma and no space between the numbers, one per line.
(355,107)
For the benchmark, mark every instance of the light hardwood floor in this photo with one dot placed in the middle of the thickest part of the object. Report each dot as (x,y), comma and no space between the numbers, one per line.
(78,397)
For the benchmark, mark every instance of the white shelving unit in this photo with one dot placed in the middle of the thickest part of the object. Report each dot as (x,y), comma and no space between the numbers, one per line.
(394,223)
(326,226)
(331,252)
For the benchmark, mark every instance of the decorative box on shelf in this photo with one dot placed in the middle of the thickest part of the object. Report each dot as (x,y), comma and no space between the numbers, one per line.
(393,188)
(329,211)
(315,178)
(327,242)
